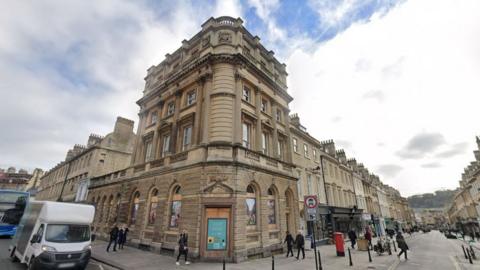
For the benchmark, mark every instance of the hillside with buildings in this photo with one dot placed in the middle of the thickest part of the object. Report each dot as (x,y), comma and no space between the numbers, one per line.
(438,199)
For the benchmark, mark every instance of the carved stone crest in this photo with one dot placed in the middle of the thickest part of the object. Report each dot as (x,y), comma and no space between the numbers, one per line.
(205,41)
(224,37)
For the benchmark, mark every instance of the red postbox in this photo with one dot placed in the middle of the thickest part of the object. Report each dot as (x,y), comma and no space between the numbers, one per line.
(338,238)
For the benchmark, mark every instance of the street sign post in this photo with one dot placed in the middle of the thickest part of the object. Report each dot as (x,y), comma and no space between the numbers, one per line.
(311,203)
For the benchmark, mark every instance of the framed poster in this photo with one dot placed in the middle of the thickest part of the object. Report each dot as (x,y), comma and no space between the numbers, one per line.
(216,234)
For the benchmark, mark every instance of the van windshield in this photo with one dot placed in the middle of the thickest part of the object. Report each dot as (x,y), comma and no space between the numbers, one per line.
(67,233)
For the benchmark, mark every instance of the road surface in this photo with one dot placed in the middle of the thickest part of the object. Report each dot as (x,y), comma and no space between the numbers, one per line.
(434,251)
(6,264)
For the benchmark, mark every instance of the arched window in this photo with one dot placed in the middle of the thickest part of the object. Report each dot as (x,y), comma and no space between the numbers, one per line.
(175,207)
(117,208)
(135,204)
(152,209)
(102,208)
(109,209)
(271,207)
(251,204)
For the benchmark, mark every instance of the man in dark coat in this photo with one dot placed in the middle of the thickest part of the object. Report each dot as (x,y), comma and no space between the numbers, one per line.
(120,238)
(402,245)
(289,240)
(300,243)
(123,239)
(113,238)
(352,235)
(183,247)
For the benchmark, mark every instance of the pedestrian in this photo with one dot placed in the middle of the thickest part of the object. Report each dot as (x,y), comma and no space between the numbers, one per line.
(289,240)
(124,238)
(472,235)
(368,236)
(183,247)
(113,238)
(121,233)
(402,245)
(300,243)
(352,235)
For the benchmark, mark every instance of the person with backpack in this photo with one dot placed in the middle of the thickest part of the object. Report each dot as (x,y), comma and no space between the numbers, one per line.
(113,238)
(289,240)
(300,243)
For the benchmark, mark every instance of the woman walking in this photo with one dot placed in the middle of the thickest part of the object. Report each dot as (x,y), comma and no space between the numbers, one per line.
(183,247)
(402,245)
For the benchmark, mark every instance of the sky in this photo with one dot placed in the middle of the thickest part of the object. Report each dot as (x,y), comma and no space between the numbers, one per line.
(394,83)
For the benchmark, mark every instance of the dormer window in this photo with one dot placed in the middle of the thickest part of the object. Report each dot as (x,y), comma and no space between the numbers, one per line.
(170,108)
(246,94)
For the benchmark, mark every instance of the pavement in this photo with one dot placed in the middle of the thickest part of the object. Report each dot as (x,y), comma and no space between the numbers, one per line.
(132,258)
(7,264)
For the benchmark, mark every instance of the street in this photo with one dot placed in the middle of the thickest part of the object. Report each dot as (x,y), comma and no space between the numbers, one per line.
(7,264)
(434,251)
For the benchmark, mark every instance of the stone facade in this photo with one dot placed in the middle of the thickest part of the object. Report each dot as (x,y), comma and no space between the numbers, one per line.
(13,180)
(69,180)
(213,140)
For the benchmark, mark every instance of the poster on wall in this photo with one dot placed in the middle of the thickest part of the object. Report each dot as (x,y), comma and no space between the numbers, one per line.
(175,216)
(271,212)
(216,234)
(251,211)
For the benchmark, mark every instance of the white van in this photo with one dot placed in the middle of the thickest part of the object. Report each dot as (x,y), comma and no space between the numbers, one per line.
(53,235)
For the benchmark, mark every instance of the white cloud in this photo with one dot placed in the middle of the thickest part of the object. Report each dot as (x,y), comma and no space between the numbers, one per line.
(68,69)
(264,10)
(425,58)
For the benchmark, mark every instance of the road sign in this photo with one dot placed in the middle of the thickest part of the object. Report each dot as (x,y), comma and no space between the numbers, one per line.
(311,204)
(311,201)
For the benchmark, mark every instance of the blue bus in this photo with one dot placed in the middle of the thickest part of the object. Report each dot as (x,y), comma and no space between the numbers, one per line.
(12,205)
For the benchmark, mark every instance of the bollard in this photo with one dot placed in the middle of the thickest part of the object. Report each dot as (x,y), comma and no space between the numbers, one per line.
(394,246)
(473,253)
(223,263)
(464,252)
(469,257)
(319,261)
(369,256)
(350,257)
(273,263)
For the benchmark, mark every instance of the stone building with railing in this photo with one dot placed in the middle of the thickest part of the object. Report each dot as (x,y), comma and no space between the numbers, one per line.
(212,153)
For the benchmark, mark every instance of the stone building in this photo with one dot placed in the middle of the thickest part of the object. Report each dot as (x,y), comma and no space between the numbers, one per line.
(69,180)
(211,156)
(34,182)
(14,180)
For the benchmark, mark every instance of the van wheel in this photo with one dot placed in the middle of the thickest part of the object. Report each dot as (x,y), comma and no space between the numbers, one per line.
(13,258)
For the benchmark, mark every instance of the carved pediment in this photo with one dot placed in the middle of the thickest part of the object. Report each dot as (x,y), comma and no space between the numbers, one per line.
(218,188)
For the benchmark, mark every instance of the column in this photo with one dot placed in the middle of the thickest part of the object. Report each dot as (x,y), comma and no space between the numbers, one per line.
(258,129)
(237,128)
(198,112)
(206,108)
(137,156)
(274,153)
(175,139)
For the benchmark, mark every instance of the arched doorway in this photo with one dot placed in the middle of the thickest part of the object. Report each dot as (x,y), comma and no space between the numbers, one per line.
(289,211)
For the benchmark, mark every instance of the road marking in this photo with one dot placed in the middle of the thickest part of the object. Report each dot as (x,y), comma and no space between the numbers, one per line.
(99,265)
(394,265)
(455,263)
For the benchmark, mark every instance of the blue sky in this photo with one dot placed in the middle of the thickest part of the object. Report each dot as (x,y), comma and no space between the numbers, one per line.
(67,69)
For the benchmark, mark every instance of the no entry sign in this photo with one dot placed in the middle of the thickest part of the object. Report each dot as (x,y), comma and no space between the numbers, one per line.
(311,201)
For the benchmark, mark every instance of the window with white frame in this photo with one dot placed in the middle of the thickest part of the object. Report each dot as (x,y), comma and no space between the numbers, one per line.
(148,150)
(305,150)
(279,115)
(170,108)
(246,131)
(191,97)
(165,145)
(295,145)
(264,105)
(153,117)
(187,138)
(280,149)
(314,151)
(264,143)
(246,94)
